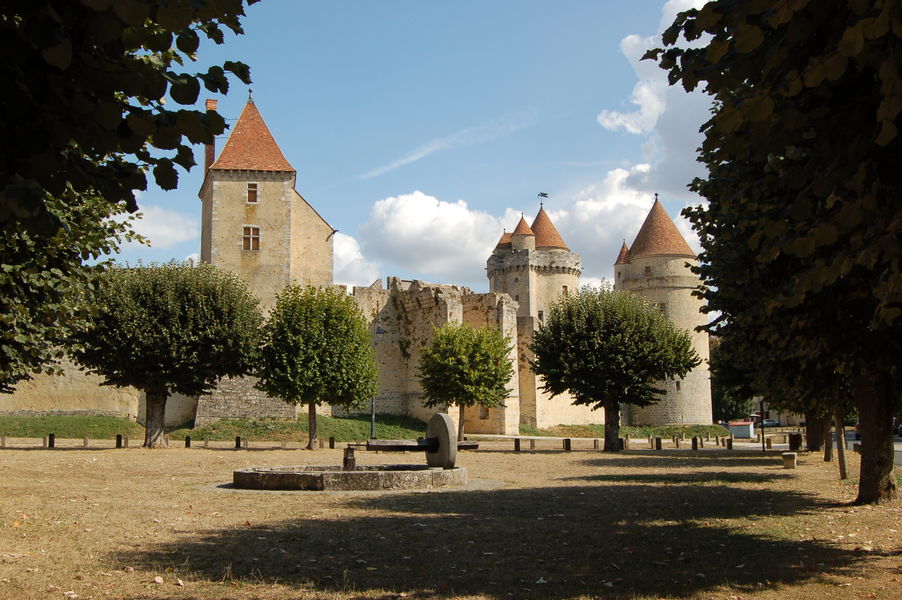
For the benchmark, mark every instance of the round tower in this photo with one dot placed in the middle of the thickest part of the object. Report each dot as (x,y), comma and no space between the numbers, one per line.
(657,268)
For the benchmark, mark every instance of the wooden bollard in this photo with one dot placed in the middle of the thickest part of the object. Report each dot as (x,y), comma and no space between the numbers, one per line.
(118,440)
(694,443)
(567,445)
(237,442)
(768,443)
(331,443)
(790,460)
(658,444)
(729,443)
(187,441)
(84,442)
(532,444)
(516,444)
(596,444)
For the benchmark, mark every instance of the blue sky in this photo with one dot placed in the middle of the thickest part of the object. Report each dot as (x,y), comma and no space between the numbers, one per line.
(421,130)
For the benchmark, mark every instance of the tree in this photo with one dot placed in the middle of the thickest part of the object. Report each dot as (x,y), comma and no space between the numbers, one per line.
(609,348)
(84,106)
(801,257)
(732,389)
(83,117)
(316,348)
(169,329)
(467,366)
(42,284)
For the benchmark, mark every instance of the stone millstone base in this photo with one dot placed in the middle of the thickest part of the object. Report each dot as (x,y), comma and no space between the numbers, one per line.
(366,477)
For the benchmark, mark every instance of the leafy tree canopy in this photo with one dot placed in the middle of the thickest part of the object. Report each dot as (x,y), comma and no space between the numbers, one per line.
(167,329)
(83,109)
(43,279)
(802,257)
(317,349)
(608,348)
(467,366)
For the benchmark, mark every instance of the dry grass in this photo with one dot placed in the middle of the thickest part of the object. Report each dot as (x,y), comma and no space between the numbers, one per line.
(105,523)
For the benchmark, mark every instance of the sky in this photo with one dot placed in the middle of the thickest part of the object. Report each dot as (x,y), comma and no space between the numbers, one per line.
(422,130)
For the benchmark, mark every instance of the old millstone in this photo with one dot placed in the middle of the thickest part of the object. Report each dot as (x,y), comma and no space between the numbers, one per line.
(441,427)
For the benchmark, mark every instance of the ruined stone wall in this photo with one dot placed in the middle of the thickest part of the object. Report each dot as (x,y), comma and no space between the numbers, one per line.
(497,311)
(77,392)
(236,398)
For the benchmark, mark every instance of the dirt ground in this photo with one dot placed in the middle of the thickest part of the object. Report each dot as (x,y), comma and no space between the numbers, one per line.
(131,523)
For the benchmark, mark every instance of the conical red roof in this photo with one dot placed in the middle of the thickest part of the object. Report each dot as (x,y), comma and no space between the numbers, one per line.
(547,235)
(504,242)
(523,228)
(624,256)
(251,146)
(659,235)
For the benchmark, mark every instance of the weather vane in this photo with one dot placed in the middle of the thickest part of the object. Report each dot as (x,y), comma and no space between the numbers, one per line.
(542,195)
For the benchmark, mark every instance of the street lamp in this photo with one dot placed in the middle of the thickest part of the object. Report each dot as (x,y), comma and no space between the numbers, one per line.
(378,332)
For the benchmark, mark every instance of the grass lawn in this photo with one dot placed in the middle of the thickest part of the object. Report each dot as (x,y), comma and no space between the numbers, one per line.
(597,431)
(345,429)
(638,525)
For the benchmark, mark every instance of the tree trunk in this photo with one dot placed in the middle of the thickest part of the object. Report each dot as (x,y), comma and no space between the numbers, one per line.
(311,426)
(612,426)
(155,417)
(875,413)
(828,442)
(460,425)
(840,442)
(814,431)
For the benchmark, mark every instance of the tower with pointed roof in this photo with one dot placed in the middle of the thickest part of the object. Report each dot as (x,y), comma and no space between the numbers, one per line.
(657,267)
(534,266)
(254,222)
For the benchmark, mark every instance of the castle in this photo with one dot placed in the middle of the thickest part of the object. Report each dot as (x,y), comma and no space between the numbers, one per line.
(256,224)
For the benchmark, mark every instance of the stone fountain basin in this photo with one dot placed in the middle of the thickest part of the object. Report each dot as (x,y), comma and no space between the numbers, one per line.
(332,477)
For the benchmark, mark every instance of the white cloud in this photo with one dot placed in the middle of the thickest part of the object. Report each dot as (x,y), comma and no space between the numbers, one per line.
(469,136)
(649,94)
(194,257)
(350,267)
(441,241)
(166,228)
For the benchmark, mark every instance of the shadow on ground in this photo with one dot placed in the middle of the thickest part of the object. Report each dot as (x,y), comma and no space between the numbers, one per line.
(554,542)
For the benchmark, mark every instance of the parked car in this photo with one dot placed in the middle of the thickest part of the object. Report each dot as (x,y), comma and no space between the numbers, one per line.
(770,423)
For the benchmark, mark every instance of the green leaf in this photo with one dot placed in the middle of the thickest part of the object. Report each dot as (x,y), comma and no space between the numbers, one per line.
(187,41)
(184,89)
(748,38)
(60,56)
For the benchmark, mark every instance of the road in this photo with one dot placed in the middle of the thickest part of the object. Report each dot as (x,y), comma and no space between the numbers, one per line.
(897,443)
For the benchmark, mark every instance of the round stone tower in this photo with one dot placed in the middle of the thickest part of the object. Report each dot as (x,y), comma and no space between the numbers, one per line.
(656,267)
(534,266)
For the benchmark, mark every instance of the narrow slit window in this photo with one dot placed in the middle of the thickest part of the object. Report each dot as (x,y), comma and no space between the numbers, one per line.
(251,238)
(251,193)
(678,386)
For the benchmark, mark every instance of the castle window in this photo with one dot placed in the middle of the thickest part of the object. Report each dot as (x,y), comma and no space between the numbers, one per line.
(251,194)
(251,238)
(517,297)
(648,271)
(678,386)
(516,279)
(564,289)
